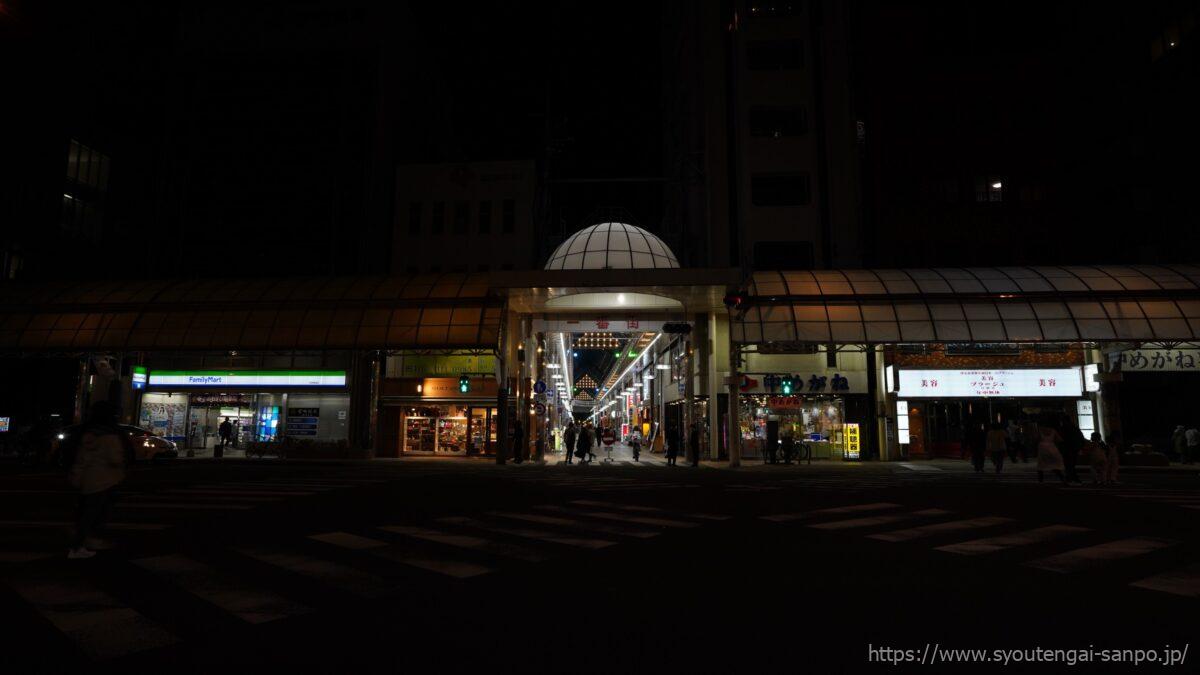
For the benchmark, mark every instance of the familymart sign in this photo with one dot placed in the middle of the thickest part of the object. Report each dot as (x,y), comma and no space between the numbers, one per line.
(248,378)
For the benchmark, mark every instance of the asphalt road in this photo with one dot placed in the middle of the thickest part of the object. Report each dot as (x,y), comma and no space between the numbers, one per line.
(458,565)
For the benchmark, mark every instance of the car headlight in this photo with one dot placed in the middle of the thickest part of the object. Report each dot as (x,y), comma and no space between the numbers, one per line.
(61,436)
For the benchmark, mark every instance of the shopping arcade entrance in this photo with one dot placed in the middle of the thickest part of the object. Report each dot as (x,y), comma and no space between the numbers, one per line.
(1101,311)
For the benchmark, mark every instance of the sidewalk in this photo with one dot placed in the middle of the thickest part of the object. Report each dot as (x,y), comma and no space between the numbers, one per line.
(621,453)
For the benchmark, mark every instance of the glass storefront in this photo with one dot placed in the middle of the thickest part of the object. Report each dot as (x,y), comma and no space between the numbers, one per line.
(817,420)
(449,429)
(193,419)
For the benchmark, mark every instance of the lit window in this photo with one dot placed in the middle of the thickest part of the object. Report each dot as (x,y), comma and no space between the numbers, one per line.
(989,189)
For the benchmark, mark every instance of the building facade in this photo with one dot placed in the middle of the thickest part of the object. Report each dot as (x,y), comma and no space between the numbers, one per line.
(762,153)
(469,217)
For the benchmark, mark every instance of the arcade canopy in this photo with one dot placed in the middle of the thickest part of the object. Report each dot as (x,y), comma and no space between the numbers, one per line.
(421,311)
(990,304)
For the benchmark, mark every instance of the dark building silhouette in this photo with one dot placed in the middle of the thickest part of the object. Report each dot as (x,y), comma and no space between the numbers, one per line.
(218,139)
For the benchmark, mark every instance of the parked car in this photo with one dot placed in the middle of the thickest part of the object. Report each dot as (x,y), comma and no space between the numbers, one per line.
(145,445)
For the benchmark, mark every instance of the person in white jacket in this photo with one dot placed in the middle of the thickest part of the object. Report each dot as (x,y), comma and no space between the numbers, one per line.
(98,469)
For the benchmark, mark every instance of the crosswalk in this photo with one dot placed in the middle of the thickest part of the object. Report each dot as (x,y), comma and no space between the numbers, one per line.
(110,616)
(1055,548)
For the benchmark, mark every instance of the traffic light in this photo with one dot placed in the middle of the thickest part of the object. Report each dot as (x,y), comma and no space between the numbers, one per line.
(786,386)
(464,384)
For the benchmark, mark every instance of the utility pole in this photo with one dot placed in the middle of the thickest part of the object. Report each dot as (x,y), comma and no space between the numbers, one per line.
(735,430)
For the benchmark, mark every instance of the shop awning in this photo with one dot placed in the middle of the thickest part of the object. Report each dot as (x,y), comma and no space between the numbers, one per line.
(420,311)
(991,304)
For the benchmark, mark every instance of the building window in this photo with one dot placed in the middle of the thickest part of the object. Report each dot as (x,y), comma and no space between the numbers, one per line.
(485,217)
(775,55)
(509,222)
(769,122)
(414,218)
(439,218)
(761,9)
(84,190)
(86,166)
(462,216)
(780,189)
(989,189)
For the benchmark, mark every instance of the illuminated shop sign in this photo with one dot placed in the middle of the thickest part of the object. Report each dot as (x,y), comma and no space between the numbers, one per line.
(138,377)
(1158,360)
(248,378)
(972,382)
(853,438)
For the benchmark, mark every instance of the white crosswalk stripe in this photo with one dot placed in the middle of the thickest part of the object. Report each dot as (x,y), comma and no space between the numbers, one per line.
(343,577)
(1006,541)
(99,624)
(648,509)
(619,517)
(1185,582)
(348,540)
(837,510)
(528,533)
(872,521)
(459,569)
(466,541)
(940,528)
(602,528)
(60,524)
(194,506)
(247,602)
(1092,556)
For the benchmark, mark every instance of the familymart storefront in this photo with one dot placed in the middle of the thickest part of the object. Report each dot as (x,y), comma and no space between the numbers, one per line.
(188,406)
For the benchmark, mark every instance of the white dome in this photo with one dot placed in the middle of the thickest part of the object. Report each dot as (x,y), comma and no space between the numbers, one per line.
(616,246)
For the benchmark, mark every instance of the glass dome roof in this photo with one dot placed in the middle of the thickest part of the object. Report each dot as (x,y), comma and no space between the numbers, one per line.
(617,246)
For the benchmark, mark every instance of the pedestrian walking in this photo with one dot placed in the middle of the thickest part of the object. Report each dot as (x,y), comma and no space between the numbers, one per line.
(1070,446)
(635,444)
(1179,443)
(1097,453)
(583,444)
(672,444)
(225,434)
(694,442)
(974,440)
(1031,435)
(569,437)
(1015,437)
(997,445)
(1192,437)
(1048,456)
(518,442)
(1112,457)
(98,469)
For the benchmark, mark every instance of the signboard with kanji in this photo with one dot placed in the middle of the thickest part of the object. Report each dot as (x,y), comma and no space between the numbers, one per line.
(972,383)
(852,440)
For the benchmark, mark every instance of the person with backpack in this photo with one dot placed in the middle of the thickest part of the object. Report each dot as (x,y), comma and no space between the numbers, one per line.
(97,469)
